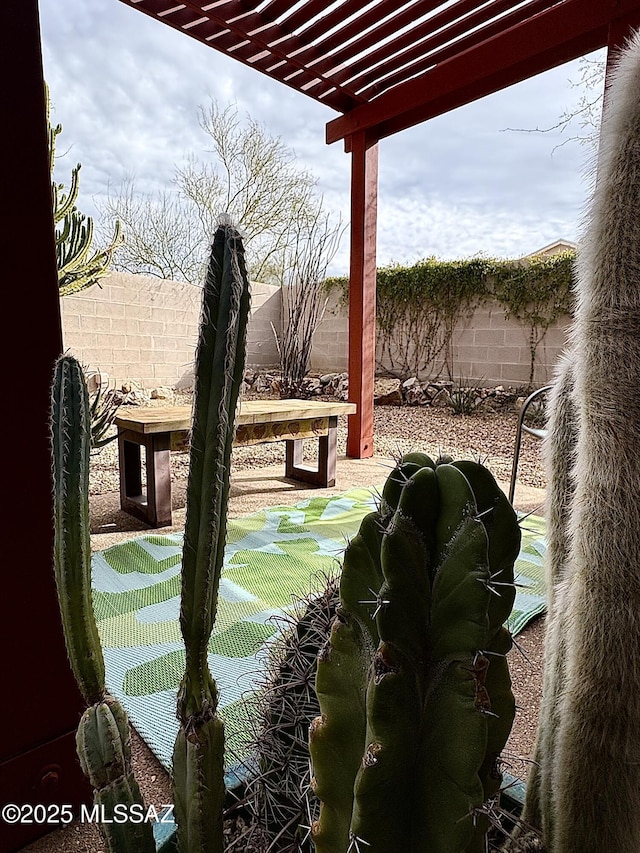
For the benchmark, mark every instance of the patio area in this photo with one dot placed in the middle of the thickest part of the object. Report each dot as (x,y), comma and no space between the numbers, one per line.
(255,487)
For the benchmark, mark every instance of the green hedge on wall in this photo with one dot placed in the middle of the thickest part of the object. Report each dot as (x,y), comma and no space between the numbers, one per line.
(418,306)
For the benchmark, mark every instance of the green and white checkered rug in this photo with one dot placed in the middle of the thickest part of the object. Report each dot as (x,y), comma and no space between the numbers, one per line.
(271,557)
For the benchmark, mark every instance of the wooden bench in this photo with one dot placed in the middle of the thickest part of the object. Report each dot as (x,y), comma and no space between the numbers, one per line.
(165,428)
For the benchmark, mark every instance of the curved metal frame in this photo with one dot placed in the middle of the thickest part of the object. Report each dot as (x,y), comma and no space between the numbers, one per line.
(538,433)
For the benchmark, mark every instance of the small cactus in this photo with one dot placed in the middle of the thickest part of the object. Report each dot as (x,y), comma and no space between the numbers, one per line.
(413,683)
(103,735)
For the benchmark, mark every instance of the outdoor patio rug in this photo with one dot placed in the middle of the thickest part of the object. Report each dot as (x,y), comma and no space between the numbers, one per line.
(271,556)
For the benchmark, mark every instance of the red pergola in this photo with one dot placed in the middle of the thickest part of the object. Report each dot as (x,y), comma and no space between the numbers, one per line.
(383,66)
(387,65)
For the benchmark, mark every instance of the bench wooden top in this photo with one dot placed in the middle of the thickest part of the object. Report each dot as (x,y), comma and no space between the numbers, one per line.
(178,418)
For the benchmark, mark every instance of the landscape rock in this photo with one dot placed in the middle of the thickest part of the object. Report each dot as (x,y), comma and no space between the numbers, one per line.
(131,386)
(161,393)
(441,398)
(413,392)
(312,387)
(96,379)
(393,398)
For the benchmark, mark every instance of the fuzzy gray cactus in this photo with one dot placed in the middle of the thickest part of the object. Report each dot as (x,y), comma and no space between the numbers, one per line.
(413,683)
(103,740)
(198,757)
(586,793)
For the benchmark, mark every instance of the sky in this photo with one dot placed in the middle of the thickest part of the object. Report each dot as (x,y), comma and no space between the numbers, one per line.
(127,89)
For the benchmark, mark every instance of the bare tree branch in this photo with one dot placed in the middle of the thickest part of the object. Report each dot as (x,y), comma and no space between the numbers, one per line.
(314,244)
(586,112)
(252,176)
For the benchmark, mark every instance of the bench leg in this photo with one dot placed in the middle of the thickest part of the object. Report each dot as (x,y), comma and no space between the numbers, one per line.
(130,463)
(159,480)
(155,507)
(325,475)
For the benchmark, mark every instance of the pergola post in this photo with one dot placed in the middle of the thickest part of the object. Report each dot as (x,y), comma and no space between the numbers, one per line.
(41,702)
(362,292)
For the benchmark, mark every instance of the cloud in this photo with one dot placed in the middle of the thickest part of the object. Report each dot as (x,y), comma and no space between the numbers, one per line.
(127,89)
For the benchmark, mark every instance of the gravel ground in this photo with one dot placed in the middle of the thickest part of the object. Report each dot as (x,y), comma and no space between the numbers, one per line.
(488,435)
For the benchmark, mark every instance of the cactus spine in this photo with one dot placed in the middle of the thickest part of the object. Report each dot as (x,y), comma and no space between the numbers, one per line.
(198,757)
(559,453)
(280,795)
(102,739)
(588,792)
(413,684)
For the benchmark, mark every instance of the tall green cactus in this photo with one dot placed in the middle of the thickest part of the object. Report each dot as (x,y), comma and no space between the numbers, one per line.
(103,739)
(79,265)
(413,683)
(198,757)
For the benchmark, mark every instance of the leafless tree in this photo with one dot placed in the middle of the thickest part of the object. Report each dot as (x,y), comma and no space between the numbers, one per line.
(252,176)
(315,241)
(163,234)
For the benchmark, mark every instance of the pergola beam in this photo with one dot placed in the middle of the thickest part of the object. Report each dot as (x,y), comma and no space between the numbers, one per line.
(544,41)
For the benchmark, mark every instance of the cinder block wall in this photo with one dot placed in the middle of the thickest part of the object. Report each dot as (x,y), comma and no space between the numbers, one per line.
(487,348)
(330,351)
(491,349)
(145,329)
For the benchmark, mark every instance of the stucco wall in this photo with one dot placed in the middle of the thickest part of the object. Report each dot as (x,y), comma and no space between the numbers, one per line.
(144,328)
(487,348)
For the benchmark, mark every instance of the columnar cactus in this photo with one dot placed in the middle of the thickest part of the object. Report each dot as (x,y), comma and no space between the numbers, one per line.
(559,452)
(413,683)
(79,266)
(587,792)
(102,739)
(198,757)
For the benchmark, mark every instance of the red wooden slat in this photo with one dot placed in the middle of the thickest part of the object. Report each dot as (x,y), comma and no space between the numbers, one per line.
(255,44)
(277,8)
(570,22)
(318,30)
(339,99)
(477,88)
(154,7)
(415,43)
(422,56)
(309,10)
(315,56)
(277,38)
(375,35)
(283,53)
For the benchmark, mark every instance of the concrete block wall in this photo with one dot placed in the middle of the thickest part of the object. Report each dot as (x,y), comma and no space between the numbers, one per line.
(486,348)
(266,302)
(330,350)
(145,329)
(491,349)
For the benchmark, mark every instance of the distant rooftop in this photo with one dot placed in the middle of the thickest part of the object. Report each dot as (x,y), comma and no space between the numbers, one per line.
(554,249)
